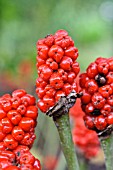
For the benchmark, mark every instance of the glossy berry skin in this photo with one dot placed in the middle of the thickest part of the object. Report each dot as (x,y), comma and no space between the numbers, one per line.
(57,68)
(100,122)
(14,117)
(56,52)
(98,82)
(10,142)
(18,133)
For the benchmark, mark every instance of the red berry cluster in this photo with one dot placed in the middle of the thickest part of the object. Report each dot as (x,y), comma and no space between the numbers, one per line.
(86,140)
(97,100)
(18,159)
(18,114)
(57,68)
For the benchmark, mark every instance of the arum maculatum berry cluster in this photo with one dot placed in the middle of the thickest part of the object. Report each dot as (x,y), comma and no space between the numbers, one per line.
(57,68)
(18,114)
(97,100)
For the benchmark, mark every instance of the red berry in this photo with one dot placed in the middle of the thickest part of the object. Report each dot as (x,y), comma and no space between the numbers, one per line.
(56,81)
(32,112)
(6,125)
(21,109)
(18,133)
(2,114)
(105,91)
(45,72)
(43,51)
(98,101)
(106,110)
(27,123)
(67,88)
(100,122)
(66,63)
(10,142)
(72,52)
(83,78)
(103,68)
(91,86)
(14,117)
(92,70)
(86,97)
(52,64)
(18,93)
(109,77)
(89,121)
(56,52)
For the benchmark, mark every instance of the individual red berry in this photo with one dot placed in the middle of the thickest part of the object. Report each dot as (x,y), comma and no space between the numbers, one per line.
(18,93)
(100,60)
(50,92)
(32,112)
(61,33)
(71,77)
(6,125)
(43,51)
(109,118)
(89,108)
(106,110)
(16,101)
(92,70)
(63,41)
(40,61)
(21,109)
(40,82)
(105,91)
(14,117)
(27,123)
(10,142)
(56,81)
(56,52)
(6,104)
(83,78)
(98,101)
(45,72)
(75,86)
(18,133)
(66,63)
(86,97)
(75,68)
(67,88)
(49,40)
(27,140)
(103,68)
(28,100)
(91,86)
(72,52)
(42,106)
(52,64)
(100,122)
(48,101)
(63,74)
(26,158)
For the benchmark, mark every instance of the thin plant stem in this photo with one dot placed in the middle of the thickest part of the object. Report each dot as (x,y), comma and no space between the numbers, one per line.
(107,146)
(63,125)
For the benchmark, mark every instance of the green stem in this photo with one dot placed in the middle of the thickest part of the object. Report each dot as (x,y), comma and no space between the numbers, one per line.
(63,125)
(107,146)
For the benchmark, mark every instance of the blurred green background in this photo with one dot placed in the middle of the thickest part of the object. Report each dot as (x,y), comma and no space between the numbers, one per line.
(23,22)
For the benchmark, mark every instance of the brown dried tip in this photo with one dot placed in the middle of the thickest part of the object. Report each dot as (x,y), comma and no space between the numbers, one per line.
(105,133)
(63,105)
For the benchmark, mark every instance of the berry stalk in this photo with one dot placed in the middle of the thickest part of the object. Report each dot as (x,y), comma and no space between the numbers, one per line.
(107,146)
(63,126)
